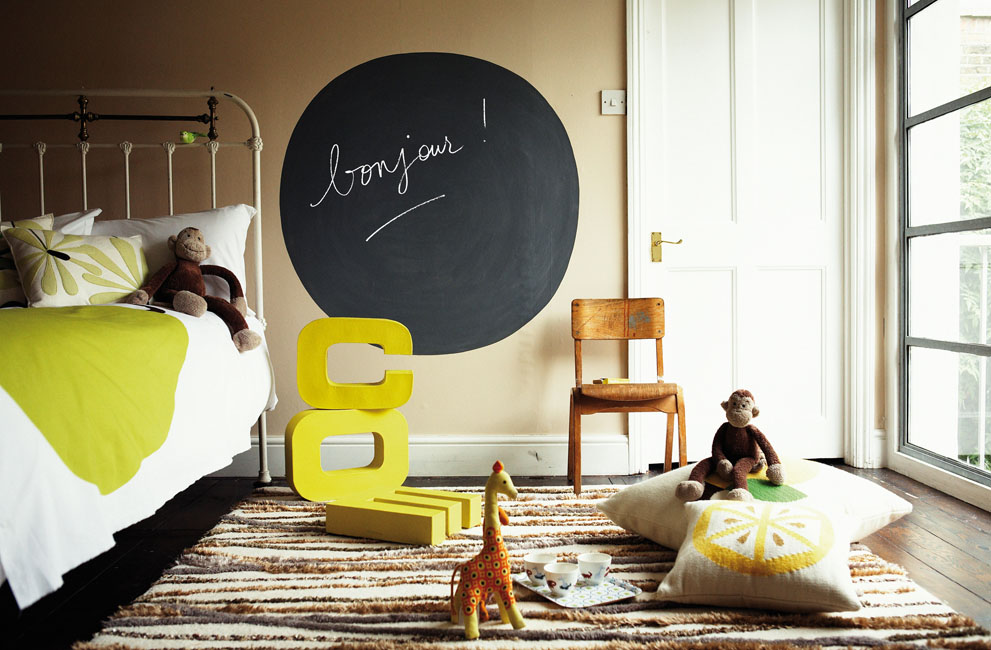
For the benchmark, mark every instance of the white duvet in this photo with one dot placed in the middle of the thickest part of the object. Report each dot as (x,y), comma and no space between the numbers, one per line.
(51,520)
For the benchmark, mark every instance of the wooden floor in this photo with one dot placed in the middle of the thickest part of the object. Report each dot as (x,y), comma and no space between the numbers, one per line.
(945,544)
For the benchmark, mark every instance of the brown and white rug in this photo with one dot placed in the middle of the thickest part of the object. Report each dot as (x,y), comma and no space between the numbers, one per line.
(268,576)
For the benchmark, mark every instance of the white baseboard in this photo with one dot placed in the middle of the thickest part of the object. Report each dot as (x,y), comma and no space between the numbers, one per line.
(452,455)
(879,448)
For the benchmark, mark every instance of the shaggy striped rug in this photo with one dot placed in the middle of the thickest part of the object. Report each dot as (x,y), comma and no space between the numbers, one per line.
(268,576)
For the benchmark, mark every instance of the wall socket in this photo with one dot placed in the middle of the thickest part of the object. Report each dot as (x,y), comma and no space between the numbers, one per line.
(614,102)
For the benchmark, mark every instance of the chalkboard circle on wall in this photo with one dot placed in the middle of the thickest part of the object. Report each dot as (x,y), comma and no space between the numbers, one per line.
(438,190)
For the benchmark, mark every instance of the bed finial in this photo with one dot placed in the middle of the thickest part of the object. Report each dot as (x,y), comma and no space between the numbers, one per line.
(84,117)
(212,104)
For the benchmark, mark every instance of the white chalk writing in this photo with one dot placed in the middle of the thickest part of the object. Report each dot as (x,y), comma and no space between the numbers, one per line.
(405,212)
(364,174)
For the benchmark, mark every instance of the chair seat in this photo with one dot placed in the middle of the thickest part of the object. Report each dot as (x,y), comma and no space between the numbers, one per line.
(629,392)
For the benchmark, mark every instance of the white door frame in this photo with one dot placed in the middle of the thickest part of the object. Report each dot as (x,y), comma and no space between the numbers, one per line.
(863,446)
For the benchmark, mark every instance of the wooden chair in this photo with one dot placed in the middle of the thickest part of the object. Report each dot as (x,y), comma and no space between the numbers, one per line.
(621,319)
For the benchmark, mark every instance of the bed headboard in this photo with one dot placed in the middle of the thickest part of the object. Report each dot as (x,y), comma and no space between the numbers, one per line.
(46,112)
(85,101)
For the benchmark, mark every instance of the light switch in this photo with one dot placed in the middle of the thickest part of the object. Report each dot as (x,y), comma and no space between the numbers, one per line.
(614,102)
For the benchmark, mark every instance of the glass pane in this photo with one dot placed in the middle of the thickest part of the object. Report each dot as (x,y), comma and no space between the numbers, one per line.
(949,57)
(949,410)
(950,167)
(949,279)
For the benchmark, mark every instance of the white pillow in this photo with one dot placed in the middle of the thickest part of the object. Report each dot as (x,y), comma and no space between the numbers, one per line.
(61,270)
(225,230)
(760,554)
(652,510)
(77,223)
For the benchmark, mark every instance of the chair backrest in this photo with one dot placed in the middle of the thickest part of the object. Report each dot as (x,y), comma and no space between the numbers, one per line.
(617,319)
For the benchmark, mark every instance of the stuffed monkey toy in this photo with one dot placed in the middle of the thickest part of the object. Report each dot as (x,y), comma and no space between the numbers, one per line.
(737,449)
(180,283)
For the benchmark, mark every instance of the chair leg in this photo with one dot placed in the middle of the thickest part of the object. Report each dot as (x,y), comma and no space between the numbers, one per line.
(669,442)
(576,451)
(682,452)
(571,439)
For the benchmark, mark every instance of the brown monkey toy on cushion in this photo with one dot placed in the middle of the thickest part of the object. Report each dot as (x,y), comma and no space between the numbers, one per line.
(180,284)
(737,448)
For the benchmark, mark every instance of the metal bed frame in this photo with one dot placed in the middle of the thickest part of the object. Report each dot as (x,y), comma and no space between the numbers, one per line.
(85,117)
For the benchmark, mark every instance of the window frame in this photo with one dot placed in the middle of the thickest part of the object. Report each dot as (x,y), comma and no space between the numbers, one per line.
(906,233)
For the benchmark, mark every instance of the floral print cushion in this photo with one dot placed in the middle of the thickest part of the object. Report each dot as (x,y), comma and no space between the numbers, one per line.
(58,269)
(11,294)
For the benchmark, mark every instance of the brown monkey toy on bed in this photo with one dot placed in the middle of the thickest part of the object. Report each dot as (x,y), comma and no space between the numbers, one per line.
(180,284)
(737,449)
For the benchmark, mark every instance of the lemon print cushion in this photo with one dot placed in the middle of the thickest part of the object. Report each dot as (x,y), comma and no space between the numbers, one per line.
(764,555)
(652,510)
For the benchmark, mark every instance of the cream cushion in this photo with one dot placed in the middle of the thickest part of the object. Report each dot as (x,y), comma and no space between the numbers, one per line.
(76,223)
(784,556)
(10,282)
(651,509)
(59,269)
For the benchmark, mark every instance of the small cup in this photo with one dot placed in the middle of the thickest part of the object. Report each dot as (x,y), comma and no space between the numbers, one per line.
(594,567)
(561,577)
(534,564)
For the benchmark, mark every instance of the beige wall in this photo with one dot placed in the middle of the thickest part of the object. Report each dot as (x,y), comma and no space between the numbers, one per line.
(278,55)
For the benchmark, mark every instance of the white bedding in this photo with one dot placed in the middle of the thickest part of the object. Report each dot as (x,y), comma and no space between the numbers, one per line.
(51,520)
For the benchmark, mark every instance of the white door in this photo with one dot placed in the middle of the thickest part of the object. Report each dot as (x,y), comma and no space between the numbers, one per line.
(742,118)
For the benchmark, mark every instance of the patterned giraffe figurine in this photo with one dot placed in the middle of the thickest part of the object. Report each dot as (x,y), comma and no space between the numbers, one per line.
(488,573)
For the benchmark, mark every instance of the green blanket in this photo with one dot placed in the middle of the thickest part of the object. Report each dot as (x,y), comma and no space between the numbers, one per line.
(98,381)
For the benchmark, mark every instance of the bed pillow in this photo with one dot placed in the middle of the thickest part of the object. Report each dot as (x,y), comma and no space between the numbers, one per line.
(225,230)
(59,270)
(76,223)
(766,555)
(652,510)
(11,293)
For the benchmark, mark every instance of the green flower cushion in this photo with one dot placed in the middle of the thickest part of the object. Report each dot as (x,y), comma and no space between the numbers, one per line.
(59,270)
(10,283)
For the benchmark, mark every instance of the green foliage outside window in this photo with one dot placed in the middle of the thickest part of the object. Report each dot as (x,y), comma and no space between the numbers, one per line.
(975,202)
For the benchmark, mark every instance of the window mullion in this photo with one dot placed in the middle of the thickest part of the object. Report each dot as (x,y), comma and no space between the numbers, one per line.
(982,223)
(916,7)
(961,102)
(977,349)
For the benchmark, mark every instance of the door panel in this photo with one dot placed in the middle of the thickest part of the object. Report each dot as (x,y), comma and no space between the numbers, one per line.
(694,153)
(786,81)
(744,135)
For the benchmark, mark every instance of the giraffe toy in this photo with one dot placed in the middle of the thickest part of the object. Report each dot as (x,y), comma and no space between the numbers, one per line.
(488,573)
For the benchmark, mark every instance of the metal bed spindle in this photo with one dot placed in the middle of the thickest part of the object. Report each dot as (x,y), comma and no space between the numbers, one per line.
(169,152)
(212,147)
(83,150)
(41,148)
(126,148)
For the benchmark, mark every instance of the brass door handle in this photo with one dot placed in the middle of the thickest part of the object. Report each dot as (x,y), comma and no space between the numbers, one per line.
(655,245)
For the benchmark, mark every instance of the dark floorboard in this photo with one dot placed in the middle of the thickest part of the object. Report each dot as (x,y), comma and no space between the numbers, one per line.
(945,544)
